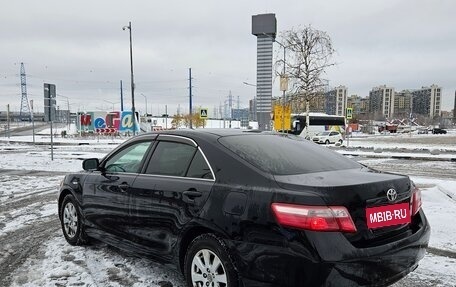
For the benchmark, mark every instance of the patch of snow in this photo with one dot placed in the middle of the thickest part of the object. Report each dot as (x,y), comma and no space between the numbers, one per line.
(97,265)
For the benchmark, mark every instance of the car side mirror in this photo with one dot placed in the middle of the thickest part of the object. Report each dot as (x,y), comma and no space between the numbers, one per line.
(90,164)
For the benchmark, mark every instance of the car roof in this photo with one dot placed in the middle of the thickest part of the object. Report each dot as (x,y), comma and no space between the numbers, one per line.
(205,133)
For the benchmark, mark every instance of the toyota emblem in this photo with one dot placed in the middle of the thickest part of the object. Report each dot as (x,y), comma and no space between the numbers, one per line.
(391,194)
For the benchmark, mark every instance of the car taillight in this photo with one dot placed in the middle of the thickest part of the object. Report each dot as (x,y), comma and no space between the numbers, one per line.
(416,200)
(316,218)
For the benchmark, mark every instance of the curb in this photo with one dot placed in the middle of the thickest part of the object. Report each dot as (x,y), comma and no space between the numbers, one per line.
(404,157)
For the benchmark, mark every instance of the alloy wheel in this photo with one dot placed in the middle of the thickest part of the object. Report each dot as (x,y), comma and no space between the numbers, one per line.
(70,220)
(207,270)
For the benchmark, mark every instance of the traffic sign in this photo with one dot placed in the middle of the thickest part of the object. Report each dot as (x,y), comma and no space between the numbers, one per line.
(203,113)
(283,83)
(349,114)
(106,130)
(282,113)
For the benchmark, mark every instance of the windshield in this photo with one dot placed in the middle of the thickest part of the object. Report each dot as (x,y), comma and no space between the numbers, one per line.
(285,155)
(323,134)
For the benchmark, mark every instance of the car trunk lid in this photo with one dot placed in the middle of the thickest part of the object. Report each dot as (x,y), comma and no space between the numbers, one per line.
(357,190)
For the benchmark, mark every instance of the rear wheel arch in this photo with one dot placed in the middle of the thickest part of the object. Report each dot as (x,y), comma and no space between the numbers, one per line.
(219,265)
(187,239)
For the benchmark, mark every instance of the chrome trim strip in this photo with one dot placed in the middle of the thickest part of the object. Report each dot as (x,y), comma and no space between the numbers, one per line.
(207,162)
(181,137)
(180,177)
(177,177)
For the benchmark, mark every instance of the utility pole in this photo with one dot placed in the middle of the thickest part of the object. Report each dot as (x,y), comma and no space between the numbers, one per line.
(284,87)
(33,121)
(166,117)
(190,95)
(121,96)
(8,120)
(132,80)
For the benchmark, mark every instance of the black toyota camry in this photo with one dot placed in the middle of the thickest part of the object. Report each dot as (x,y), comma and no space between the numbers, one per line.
(233,208)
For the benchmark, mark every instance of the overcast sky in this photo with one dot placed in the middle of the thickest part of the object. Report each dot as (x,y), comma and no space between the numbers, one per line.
(80,46)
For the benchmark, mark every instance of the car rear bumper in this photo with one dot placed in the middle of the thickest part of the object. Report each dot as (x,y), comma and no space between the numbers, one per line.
(328,259)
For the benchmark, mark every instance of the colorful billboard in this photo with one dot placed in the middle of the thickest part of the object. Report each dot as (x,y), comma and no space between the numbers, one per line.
(110,122)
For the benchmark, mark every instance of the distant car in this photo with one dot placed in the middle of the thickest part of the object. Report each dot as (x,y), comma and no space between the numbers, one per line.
(233,208)
(423,131)
(439,131)
(328,137)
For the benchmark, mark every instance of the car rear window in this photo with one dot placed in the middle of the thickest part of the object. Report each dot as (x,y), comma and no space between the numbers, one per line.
(285,154)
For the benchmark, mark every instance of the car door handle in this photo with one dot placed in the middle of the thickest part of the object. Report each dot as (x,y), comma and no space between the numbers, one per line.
(124,186)
(192,193)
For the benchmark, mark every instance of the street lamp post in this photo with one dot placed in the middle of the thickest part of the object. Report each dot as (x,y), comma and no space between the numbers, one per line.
(145,98)
(112,103)
(254,101)
(132,79)
(284,84)
(283,87)
(68,112)
(33,120)
(8,120)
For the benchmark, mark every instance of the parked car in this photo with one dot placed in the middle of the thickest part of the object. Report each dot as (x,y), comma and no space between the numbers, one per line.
(423,131)
(328,137)
(439,131)
(232,208)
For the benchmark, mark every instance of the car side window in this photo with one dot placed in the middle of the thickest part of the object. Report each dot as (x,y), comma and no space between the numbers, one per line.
(128,159)
(170,158)
(199,168)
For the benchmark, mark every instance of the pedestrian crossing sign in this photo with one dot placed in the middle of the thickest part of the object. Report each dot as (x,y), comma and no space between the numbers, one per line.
(349,114)
(203,113)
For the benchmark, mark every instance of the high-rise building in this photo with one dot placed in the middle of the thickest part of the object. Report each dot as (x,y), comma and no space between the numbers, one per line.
(341,100)
(403,103)
(381,101)
(357,104)
(427,101)
(336,101)
(264,27)
(364,106)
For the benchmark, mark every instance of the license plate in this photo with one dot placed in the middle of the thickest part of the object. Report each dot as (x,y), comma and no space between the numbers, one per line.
(388,215)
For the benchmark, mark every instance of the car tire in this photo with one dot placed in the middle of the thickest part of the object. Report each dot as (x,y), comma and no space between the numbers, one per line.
(71,221)
(219,269)
(327,142)
(341,141)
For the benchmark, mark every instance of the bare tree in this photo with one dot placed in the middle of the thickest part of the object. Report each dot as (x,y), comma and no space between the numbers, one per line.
(309,52)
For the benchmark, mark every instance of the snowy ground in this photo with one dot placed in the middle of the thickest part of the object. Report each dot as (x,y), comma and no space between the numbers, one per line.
(34,253)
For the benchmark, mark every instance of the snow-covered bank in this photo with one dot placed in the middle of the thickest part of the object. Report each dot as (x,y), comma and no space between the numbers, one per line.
(439,204)
(28,203)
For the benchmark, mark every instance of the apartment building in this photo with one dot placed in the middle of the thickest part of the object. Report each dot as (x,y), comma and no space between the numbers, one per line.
(336,101)
(381,101)
(427,101)
(403,103)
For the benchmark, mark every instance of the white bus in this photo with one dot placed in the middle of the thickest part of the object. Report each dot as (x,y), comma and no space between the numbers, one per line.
(319,122)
